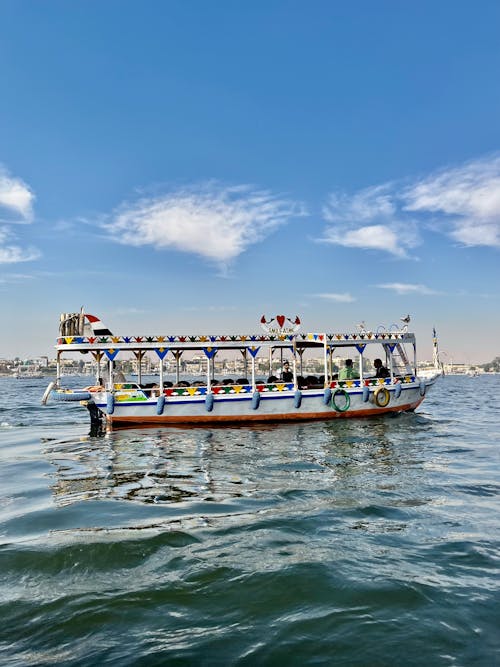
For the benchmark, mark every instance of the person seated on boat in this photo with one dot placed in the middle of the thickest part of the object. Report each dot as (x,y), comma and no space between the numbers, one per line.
(381,370)
(272,379)
(227,381)
(348,372)
(286,373)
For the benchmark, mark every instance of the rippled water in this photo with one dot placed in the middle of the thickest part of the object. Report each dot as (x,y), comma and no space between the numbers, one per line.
(371,542)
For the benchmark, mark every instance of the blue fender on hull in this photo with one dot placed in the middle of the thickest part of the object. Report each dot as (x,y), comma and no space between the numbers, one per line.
(397,390)
(160,404)
(255,400)
(422,388)
(209,402)
(366,394)
(297,398)
(70,396)
(327,395)
(110,404)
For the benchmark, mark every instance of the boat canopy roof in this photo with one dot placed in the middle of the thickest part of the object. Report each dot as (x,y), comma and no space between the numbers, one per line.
(250,341)
(84,333)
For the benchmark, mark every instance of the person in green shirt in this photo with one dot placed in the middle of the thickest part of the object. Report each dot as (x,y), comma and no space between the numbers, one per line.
(348,372)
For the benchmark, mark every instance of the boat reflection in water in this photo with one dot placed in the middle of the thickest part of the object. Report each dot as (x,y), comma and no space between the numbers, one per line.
(295,463)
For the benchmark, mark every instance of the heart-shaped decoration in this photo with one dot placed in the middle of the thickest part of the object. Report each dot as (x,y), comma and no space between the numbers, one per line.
(280,319)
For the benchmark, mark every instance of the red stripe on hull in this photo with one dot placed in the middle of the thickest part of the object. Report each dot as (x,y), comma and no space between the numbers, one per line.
(255,418)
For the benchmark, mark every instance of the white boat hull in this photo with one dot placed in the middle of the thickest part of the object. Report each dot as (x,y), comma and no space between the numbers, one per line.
(285,405)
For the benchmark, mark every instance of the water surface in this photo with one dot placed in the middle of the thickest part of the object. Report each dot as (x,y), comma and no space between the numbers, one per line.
(368,542)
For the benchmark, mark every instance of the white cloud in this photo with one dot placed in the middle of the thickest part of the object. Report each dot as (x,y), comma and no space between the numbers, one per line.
(369,220)
(16,205)
(375,237)
(340,298)
(15,196)
(365,206)
(462,202)
(11,254)
(218,223)
(469,198)
(408,288)
(14,254)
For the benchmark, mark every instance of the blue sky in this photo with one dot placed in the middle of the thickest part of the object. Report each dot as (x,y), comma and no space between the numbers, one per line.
(187,166)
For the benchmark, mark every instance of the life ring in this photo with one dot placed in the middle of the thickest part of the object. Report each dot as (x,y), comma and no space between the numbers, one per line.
(381,397)
(340,392)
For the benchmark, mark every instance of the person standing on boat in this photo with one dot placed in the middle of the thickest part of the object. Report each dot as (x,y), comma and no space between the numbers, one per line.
(381,370)
(286,373)
(348,372)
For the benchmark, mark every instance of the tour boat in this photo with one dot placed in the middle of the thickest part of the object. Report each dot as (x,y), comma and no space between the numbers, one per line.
(289,396)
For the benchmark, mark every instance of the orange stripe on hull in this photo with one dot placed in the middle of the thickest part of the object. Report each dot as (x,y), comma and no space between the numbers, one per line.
(239,419)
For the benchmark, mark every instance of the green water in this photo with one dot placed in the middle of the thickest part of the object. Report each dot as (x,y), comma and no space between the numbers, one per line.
(372,542)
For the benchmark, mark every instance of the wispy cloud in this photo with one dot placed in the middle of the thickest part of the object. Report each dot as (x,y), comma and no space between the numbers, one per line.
(12,278)
(408,288)
(16,206)
(369,219)
(213,221)
(467,198)
(462,202)
(16,198)
(14,254)
(340,298)
(11,254)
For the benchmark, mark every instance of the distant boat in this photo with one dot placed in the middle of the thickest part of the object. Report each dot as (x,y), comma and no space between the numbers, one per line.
(437,368)
(398,388)
(27,374)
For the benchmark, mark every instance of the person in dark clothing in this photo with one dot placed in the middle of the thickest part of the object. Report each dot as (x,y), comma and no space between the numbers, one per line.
(381,371)
(287,375)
